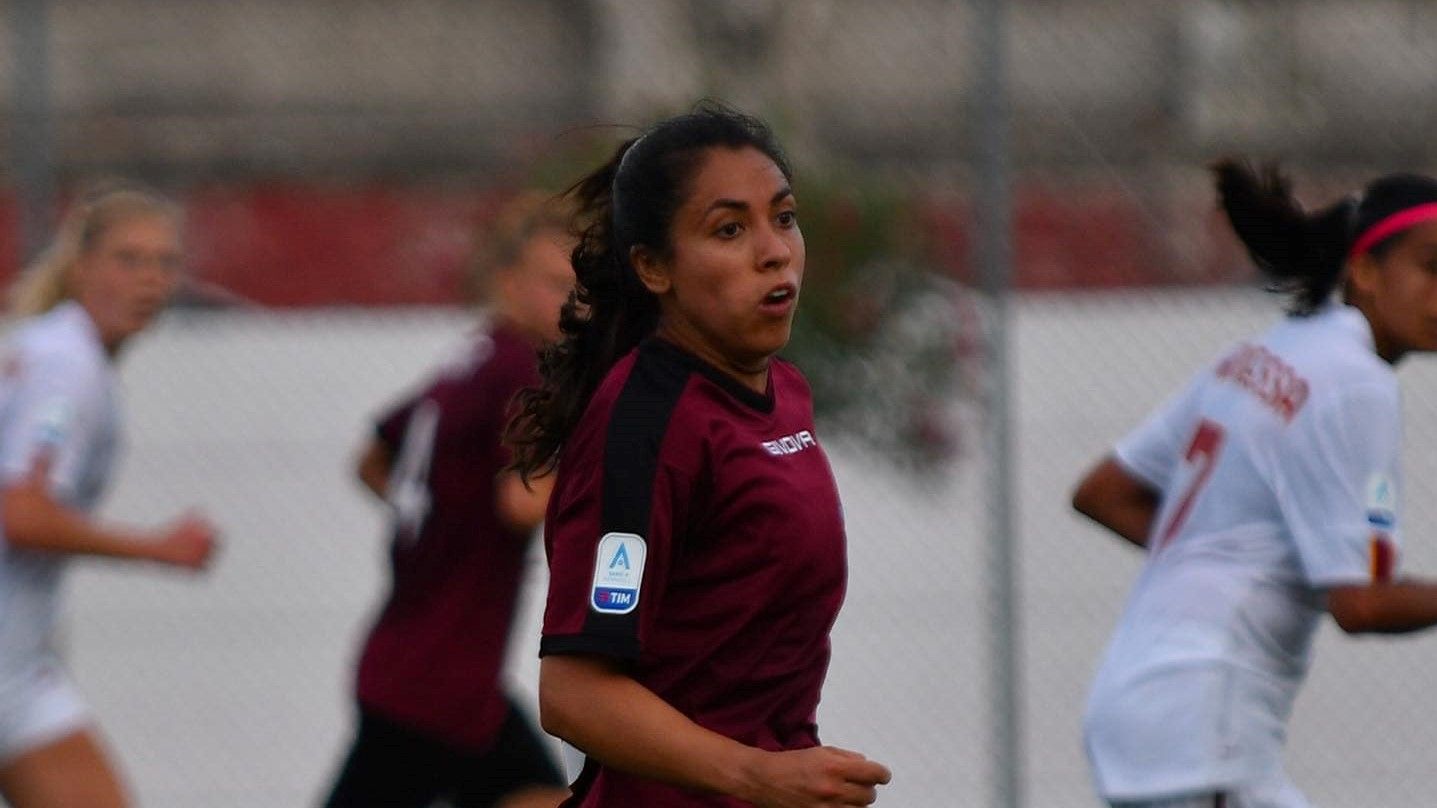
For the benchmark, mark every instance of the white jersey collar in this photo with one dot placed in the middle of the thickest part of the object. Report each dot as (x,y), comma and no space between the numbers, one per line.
(1351,322)
(74,316)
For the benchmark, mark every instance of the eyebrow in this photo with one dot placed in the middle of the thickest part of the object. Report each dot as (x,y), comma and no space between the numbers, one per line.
(725,203)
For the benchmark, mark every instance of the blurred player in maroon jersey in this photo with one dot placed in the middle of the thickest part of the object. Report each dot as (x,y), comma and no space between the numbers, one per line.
(695,538)
(434,720)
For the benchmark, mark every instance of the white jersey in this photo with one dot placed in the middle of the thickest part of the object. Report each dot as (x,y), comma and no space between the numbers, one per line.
(1278,468)
(58,400)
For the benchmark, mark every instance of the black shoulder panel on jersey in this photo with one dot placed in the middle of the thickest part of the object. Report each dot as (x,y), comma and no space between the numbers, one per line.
(637,425)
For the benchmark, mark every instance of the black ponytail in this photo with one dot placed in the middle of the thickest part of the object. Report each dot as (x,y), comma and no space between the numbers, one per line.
(627,202)
(1305,254)
(1301,253)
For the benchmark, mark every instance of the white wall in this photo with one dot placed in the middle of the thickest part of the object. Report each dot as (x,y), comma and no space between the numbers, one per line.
(232,689)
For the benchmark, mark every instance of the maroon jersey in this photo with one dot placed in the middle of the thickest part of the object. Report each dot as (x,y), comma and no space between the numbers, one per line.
(433,659)
(695,533)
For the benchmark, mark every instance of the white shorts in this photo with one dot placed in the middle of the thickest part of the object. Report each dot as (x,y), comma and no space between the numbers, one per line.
(38,705)
(1272,794)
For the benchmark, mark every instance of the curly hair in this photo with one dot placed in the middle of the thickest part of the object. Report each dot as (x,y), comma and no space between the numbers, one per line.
(628,202)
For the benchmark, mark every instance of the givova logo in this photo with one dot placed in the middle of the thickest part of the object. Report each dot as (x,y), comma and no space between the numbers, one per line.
(790,444)
(618,573)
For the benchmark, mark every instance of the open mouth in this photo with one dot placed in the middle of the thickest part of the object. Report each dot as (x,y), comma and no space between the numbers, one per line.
(782,294)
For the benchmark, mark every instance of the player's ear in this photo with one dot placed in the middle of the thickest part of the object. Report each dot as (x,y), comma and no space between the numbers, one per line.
(653,273)
(1363,276)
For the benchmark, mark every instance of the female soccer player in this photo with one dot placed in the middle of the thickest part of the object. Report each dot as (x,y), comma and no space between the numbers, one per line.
(1265,493)
(114,263)
(695,539)
(434,720)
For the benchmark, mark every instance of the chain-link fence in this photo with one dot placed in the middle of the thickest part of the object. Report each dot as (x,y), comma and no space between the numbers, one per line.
(332,153)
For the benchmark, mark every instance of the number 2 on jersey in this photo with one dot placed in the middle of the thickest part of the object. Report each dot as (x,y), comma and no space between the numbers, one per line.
(1202,454)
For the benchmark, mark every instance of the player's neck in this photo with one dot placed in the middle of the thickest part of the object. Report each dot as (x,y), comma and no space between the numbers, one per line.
(753,375)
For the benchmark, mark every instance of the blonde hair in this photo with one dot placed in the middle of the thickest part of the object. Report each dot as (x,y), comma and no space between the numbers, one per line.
(48,280)
(500,243)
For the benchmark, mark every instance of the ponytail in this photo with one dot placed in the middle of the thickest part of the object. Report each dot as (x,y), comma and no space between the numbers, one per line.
(628,202)
(608,314)
(1303,254)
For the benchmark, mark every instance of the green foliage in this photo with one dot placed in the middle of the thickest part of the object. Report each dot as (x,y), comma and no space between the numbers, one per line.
(880,333)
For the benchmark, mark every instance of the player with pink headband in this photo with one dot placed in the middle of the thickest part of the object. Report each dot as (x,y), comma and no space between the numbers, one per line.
(1392,225)
(1265,493)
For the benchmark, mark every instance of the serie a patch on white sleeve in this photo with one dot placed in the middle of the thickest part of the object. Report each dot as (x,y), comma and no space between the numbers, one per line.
(54,421)
(1381,502)
(618,573)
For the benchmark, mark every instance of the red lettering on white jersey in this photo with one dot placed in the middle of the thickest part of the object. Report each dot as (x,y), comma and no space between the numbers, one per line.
(1264,374)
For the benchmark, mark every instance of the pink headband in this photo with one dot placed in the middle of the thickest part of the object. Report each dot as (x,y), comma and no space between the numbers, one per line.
(1401,220)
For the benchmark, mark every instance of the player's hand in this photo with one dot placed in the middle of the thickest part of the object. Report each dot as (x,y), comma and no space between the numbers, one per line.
(188,542)
(822,777)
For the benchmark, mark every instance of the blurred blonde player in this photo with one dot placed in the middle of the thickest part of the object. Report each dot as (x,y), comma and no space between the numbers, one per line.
(1266,493)
(435,721)
(113,265)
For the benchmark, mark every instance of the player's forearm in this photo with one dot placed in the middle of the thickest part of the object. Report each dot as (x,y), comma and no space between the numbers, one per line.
(1132,523)
(618,721)
(373,467)
(521,506)
(1393,608)
(35,521)
(1111,497)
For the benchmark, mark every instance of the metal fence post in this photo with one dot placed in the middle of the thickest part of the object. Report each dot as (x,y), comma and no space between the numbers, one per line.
(993,244)
(34,168)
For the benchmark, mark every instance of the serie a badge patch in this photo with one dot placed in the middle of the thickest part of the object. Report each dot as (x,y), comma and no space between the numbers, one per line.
(618,573)
(1381,502)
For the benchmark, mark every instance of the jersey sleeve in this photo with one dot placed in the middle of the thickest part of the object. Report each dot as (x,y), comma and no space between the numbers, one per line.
(1337,486)
(391,425)
(1154,450)
(55,413)
(616,516)
(606,584)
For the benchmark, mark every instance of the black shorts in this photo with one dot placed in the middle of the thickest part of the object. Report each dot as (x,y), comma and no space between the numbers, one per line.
(397,767)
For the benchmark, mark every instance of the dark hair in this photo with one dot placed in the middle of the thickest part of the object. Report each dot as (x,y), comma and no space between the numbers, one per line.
(1302,253)
(628,202)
